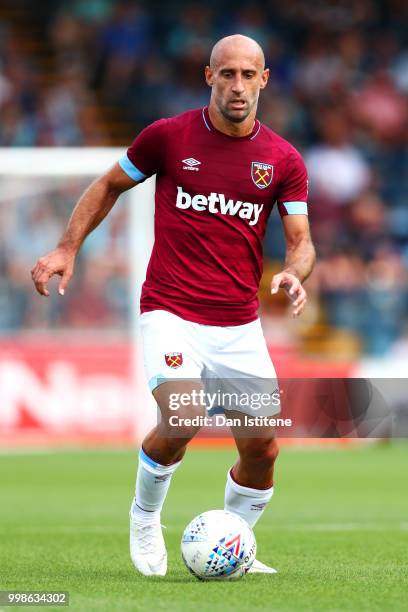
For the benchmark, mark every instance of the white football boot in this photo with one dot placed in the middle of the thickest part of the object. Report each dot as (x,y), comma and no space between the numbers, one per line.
(260,568)
(147,547)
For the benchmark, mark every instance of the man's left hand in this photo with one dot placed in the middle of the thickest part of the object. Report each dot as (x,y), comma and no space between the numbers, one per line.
(294,290)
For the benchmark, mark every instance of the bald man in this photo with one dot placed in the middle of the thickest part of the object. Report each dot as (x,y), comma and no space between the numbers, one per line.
(219,173)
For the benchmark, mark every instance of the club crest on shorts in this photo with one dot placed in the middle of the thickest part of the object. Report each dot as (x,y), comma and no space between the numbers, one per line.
(261,174)
(173,360)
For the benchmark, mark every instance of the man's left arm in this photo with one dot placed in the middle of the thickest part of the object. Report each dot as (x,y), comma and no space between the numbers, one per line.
(299,261)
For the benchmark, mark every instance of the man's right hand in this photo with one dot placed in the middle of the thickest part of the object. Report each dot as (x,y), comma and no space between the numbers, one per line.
(60,261)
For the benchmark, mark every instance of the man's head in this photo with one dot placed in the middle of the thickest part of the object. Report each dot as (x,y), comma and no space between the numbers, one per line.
(236,74)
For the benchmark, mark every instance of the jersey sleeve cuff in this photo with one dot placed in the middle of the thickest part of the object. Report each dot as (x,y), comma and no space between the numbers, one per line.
(293,208)
(130,169)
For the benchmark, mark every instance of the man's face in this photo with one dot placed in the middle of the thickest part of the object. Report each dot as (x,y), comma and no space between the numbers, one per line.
(236,82)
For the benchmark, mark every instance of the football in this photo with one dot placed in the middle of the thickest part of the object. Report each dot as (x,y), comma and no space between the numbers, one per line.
(218,545)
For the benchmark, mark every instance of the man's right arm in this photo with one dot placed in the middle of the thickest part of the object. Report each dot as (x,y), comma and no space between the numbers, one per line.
(91,209)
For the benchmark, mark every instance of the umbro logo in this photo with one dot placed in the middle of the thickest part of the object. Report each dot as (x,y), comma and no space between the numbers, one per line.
(258,507)
(190,161)
(161,478)
(191,164)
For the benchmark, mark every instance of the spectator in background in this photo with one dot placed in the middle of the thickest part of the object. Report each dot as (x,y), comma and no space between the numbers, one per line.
(189,43)
(385,306)
(341,279)
(91,303)
(92,11)
(6,89)
(19,122)
(320,69)
(367,224)
(126,41)
(338,172)
(338,175)
(66,35)
(67,117)
(380,109)
(399,71)
(192,33)
(152,95)
(250,21)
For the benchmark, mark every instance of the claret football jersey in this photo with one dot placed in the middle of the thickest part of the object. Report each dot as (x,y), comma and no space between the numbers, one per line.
(214,194)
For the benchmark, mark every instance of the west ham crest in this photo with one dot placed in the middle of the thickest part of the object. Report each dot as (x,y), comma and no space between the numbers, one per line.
(261,174)
(173,360)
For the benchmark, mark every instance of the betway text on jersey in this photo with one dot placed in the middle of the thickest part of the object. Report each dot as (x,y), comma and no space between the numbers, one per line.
(217,204)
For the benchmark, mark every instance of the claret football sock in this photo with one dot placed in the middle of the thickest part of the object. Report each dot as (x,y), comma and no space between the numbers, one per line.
(248,503)
(152,483)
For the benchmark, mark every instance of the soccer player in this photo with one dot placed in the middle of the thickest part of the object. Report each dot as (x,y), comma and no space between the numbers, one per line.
(219,173)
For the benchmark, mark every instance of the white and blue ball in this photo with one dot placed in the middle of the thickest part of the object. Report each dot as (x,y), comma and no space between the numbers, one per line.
(218,545)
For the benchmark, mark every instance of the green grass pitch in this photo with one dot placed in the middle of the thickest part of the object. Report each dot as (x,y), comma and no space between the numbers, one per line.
(336,529)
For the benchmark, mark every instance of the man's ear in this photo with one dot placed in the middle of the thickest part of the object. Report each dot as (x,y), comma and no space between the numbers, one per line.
(208,76)
(264,78)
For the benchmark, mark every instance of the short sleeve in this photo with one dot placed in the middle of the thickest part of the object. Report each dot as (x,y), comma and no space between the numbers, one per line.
(293,191)
(145,156)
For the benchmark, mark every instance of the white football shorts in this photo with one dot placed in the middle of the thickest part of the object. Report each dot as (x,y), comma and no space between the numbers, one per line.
(235,356)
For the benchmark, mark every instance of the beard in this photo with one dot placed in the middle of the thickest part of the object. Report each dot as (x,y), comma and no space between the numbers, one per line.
(233,118)
(230,114)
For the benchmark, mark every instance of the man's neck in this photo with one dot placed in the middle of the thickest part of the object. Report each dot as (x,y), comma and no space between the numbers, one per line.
(244,128)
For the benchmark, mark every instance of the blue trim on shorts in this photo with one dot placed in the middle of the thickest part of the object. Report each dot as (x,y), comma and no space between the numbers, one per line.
(146,459)
(130,169)
(156,381)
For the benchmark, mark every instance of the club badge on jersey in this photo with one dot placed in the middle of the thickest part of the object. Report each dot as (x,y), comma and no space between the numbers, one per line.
(173,360)
(261,174)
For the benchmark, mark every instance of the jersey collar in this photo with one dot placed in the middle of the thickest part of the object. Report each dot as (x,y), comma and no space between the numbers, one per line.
(207,122)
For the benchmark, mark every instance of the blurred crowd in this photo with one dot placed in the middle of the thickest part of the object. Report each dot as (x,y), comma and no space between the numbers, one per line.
(338,91)
(33,214)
